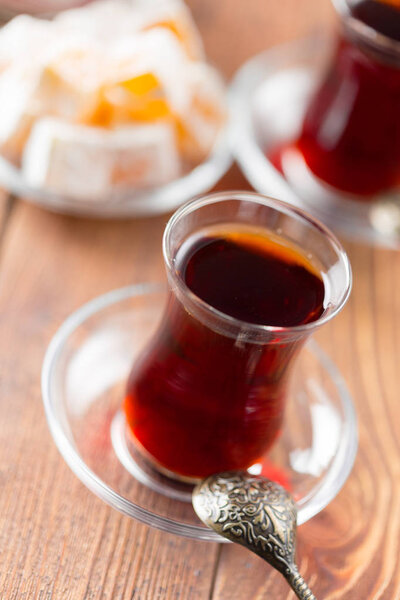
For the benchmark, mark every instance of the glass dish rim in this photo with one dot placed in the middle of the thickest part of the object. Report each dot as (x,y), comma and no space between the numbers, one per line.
(323,494)
(132,201)
(281,206)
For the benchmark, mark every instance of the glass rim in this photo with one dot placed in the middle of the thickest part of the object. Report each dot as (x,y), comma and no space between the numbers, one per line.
(365,32)
(280,206)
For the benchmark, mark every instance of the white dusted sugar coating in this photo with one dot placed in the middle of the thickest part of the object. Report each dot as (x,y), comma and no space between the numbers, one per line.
(103,20)
(89,162)
(22,38)
(66,159)
(174,15)
(78,60)
(204,114)
(53,84)
(69,81)
(109,20)
(157,52)
(17,111)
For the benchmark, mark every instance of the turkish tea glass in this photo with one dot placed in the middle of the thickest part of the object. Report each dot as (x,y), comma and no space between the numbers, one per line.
(209,392)
(350,138)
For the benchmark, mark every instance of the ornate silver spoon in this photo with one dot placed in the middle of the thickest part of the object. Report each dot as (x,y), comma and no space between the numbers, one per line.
(256,513)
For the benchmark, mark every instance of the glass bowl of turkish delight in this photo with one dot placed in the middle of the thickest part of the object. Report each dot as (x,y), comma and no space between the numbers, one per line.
(110,109)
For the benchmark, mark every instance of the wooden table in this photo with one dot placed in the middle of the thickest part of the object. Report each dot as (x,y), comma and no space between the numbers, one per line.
(58,541)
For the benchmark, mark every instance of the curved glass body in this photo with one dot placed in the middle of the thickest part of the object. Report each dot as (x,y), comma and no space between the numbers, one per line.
(209,392)
(350,137)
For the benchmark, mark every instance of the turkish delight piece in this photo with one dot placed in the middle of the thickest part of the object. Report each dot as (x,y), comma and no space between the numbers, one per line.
(70,80)
(62,85)
(198,127)
(156,52)
(104,20)
(109,20)
(87,162)
(17,110)
(23,38)
(148,81)
(176,17)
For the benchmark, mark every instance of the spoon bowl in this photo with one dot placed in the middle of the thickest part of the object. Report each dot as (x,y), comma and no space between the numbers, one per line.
(257,513)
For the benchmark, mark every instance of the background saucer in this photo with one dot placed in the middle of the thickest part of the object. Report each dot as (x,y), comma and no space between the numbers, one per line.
(83,382)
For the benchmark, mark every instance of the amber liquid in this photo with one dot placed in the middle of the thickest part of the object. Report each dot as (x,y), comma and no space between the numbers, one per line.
(381,15)
(350,137)
(199,401)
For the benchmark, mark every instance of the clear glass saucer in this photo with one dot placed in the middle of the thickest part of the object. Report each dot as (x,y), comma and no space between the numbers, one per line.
(83,381)
(268,96)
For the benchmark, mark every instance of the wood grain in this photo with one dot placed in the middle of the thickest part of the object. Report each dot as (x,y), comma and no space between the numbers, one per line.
(56,539)
(6,206)
(59,542)
(234,31)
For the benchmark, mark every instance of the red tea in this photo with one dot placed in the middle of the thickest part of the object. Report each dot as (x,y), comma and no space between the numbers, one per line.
(350,137)
(382,15)
(200,401)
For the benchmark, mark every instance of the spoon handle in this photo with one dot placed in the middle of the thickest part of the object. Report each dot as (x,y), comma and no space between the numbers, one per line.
(299,586)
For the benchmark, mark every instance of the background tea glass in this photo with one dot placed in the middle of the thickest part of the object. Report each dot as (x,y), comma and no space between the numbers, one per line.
(209,392)
(348,152)
(350,137)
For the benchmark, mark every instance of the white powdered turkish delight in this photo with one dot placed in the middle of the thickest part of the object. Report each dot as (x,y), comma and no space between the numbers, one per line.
(109,20)
(63,82)
(87,162)
(156,52)
(202,121)
(175,16)
(17,110)
(23,38)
